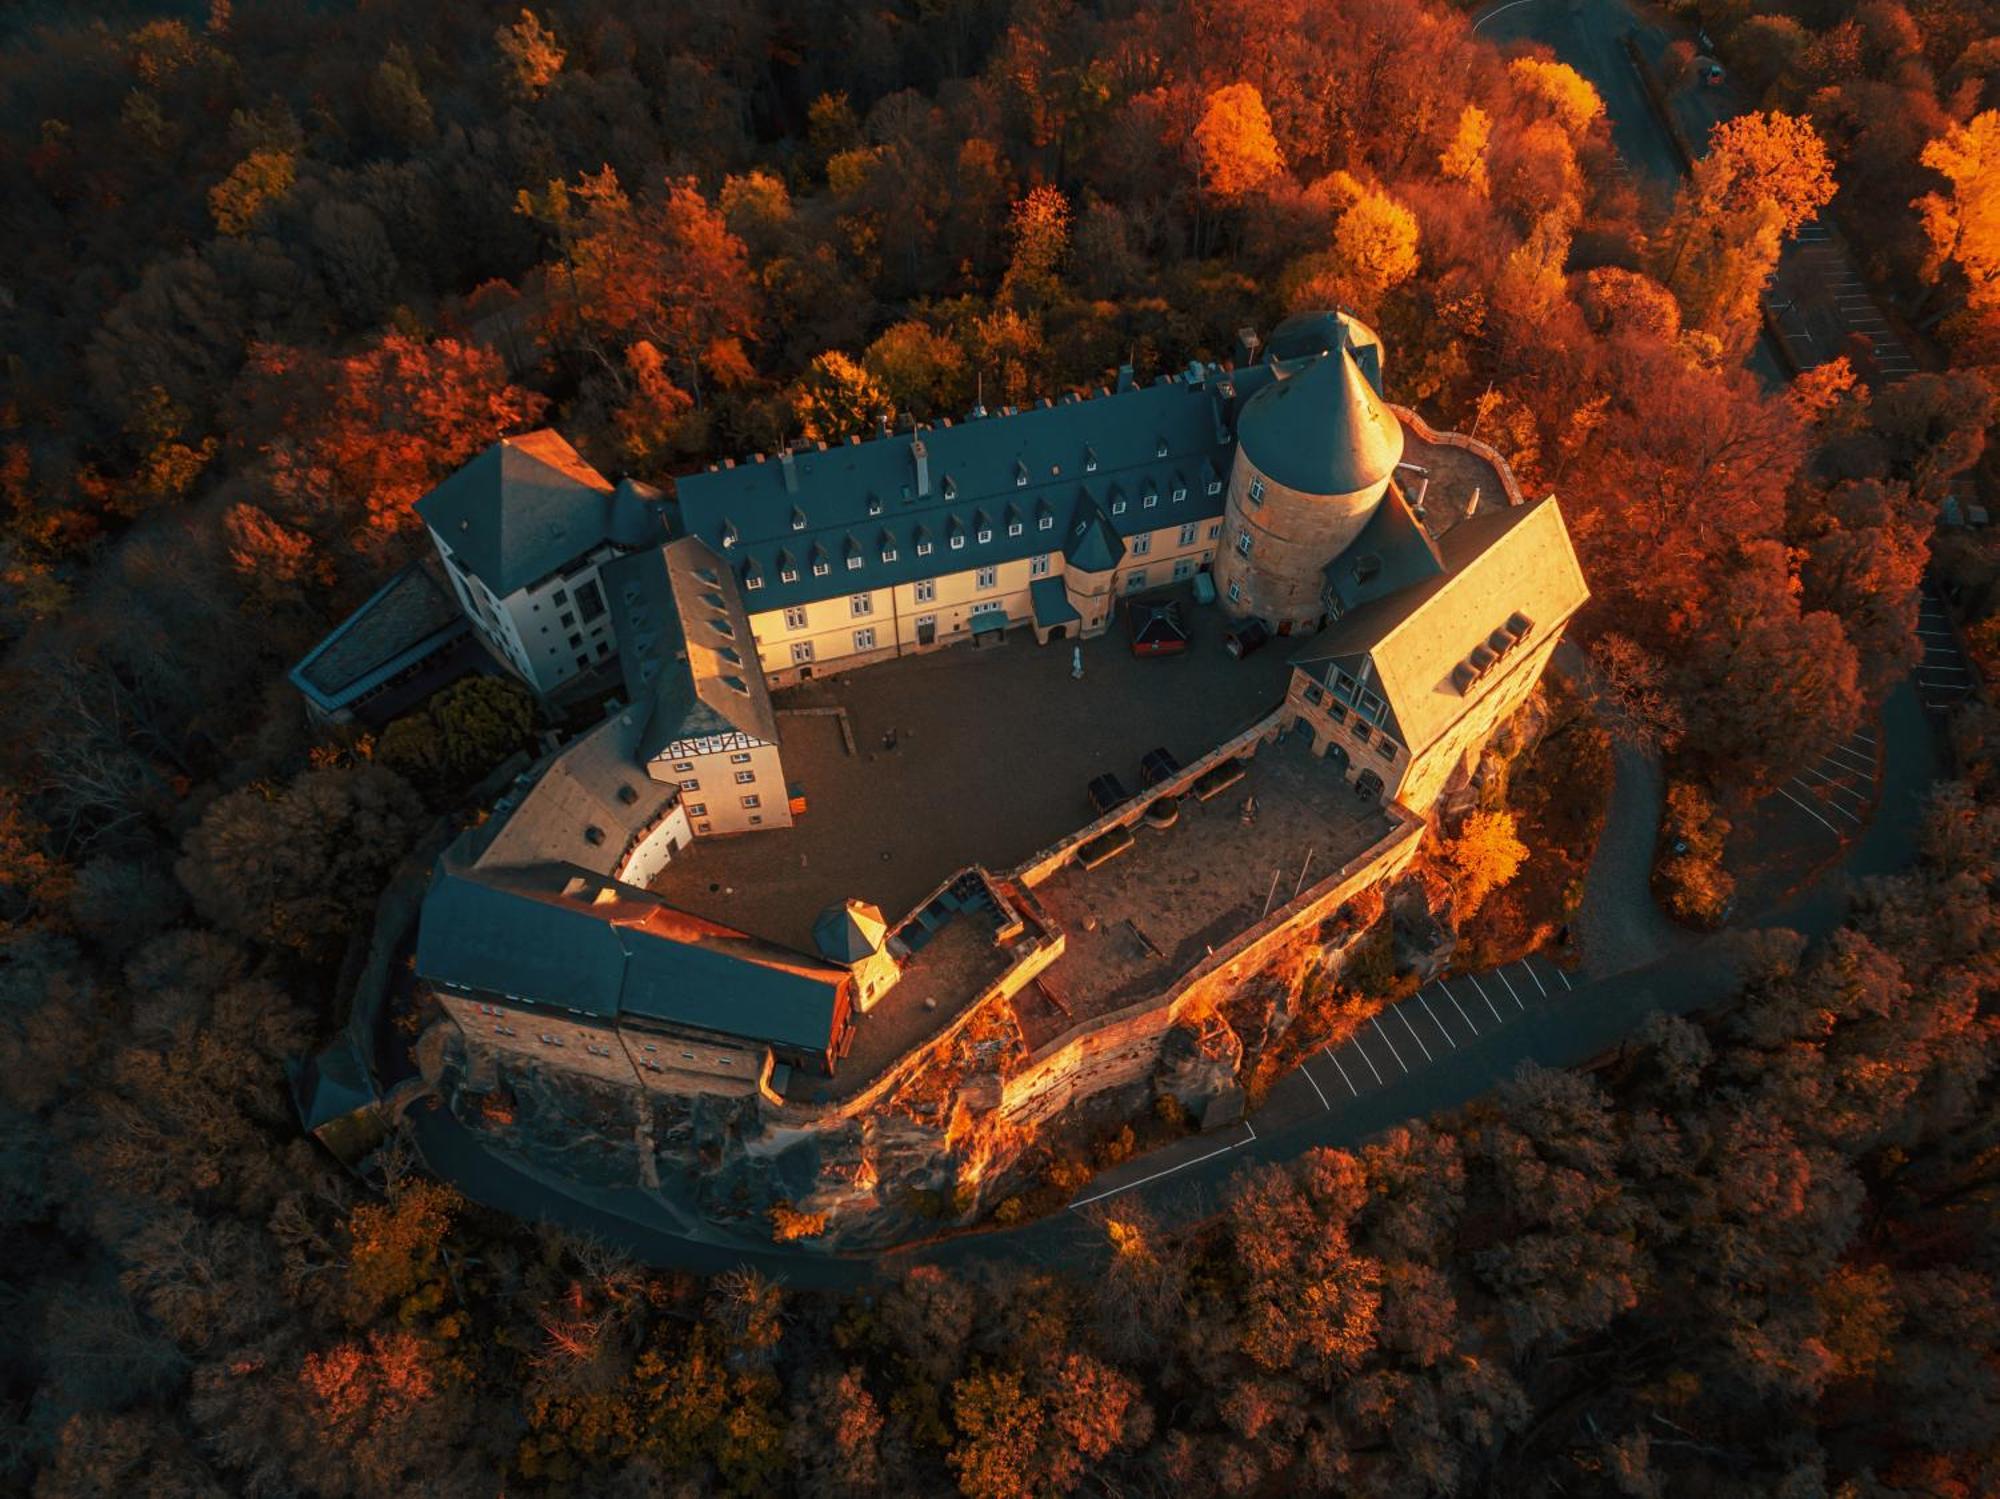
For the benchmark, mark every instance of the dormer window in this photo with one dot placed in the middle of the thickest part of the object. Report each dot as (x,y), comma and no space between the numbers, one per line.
(1215,486)
(958,541)
(1151,495)
(874,504)
(1046,523)
(854,563)
(728,534)
(1180,493)
(950,487)
(1020,474)
(1090,460)
(788,570)
(985,535)
(1160,448)
(822,568)
(798,519)
(1118,505)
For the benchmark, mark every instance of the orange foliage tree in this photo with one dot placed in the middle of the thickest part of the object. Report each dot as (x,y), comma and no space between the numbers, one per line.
(353,442)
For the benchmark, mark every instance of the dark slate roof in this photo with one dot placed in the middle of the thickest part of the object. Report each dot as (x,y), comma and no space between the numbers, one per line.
(332,1084)
(403,621)
(1050,600)
(1324,430)
(1093,544)
(684,643)
(1393,552)
(476,933)
(1307,335)
(864,498)
(588,803)
(523,509)
(1153,623)
(850,931)
(558,936)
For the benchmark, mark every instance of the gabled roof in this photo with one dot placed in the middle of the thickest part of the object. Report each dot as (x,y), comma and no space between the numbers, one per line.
(1515,560)
(558,936)
(1393,552)
(1036,460)
(684,642)
(1324,430)
(526,507)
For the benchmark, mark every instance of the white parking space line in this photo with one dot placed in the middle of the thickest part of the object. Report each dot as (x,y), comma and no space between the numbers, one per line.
(1565,978)
(1935,634)
(1809,811)
(1327,1052)
(1830,806)
(1830,784)
(1536,977)
(1355,1042)
(1376,1021)
(1413,1034)
(1458,1007)
(1434,1019)
(1315,1082)
(1863,735)
(1502,973)
(1480,989)
(1866,767)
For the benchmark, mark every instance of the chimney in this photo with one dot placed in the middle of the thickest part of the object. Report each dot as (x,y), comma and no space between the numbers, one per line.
(1248,345)
(1423,488)
(1125,381)
(1472,505)
(923,461)
(791,468)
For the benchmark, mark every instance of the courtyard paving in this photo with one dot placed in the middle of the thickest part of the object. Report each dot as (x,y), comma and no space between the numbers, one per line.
(993,750)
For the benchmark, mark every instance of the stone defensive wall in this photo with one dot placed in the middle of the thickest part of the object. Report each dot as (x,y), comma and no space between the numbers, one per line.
(1482,451)
(1121,1049)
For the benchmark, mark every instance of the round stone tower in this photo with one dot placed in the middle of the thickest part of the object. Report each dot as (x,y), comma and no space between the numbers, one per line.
(1315,450)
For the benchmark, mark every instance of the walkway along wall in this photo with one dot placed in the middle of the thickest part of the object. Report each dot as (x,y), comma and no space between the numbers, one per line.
(1121,1049)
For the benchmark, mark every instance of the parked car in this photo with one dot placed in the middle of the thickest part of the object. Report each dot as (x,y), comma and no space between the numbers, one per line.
(1106,792)
(1157,765)
(1241,640)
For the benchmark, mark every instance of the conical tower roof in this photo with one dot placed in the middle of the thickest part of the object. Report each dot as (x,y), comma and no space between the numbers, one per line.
(850,931)
(1324,430)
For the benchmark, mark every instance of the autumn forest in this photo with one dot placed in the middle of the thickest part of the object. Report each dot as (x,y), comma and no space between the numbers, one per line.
(277,268)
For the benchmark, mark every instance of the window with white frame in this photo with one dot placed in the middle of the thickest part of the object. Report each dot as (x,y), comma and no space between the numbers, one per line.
(1180,493)
(802,651)
(988,577)
(854,563)
(821,569)
(752,801)
(742,759)
(746,777)
(1243,542)
(1142,544)
(795,619)
(860,604)
(1257,489)
(1190,533)
(927,591)
(1039,566)
(692,783)
(864,640)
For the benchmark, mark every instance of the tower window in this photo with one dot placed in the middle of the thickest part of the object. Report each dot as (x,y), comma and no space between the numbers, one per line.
(1243,542)
(1257,490)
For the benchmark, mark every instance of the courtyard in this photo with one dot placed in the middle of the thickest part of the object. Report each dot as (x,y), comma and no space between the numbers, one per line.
(993,748)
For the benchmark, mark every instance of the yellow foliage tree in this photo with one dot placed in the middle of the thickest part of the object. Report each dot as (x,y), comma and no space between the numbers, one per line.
(836,396)
(1376,243)
(1764,157)
(533,58)
(1485,855)
(1563,91)
(1464,160)
(1239,154)
(259,179)
(1964,226)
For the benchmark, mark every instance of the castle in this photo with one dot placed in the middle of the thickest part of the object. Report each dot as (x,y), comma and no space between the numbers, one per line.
(599,923)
